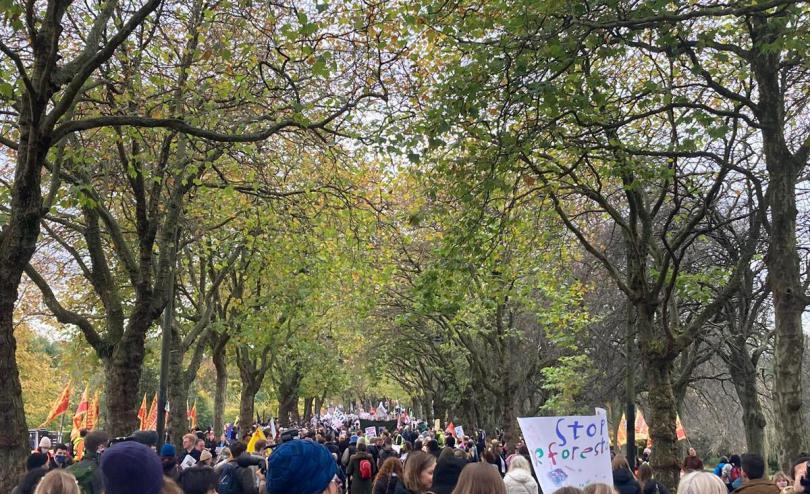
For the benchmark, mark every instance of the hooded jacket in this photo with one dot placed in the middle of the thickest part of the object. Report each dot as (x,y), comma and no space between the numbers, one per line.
(520,481)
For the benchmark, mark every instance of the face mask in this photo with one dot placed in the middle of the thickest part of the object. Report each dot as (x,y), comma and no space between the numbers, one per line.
(60,459)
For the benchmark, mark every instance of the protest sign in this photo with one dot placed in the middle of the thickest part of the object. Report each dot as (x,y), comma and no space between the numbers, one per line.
(460,432)
(569,451)
(371,431)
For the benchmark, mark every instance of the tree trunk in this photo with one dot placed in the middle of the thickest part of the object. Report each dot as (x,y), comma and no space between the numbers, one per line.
(288,409)
(308,409)
(123,375)
(782,259)
(316,408)
(14,433)
(246,407)
(177,394)
(664,459)
(220,365)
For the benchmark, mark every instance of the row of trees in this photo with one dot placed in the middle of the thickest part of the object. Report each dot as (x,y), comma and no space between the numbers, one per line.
(505,207)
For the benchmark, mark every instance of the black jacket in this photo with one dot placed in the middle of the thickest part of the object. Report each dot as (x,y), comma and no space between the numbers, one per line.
(445,477)
(401,489)
(386,485)
(625,483)
(654,487)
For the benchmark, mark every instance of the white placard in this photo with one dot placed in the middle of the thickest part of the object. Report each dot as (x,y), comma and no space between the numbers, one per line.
(371,431)
(460,432)
(569,451)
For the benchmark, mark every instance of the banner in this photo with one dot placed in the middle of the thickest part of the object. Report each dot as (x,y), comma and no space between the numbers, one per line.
(390,425)
(60,406)
(569,451)
(142,413)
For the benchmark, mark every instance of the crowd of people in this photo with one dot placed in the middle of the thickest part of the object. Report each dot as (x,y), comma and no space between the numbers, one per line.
(321,460)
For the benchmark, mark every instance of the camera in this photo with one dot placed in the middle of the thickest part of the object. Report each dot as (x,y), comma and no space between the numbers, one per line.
(245,461)
(289,435)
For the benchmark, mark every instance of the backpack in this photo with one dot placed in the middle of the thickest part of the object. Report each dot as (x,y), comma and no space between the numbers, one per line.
(365,469)
(228,483)
(84,471)
(735,474)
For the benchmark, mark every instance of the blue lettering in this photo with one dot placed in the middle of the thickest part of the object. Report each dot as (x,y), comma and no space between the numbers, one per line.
(563,441)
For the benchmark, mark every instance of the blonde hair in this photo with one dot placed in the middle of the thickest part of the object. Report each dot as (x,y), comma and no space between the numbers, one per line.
(57,482)
(170,487)
(479,478)
(519,462)
(599,489)
(701,483)
(620,462)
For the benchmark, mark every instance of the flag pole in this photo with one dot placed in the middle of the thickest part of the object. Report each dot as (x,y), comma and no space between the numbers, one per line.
(61,426)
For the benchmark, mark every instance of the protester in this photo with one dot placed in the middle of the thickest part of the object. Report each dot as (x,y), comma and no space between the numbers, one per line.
(57,482)
(448,470)
(387,451)
(87,471)
(623,479)
(130,467)
(361,471)
(301,467)
(599,489)
(36,467)
(495,457)
(518,479)
(189,448)
(417,476)
(234,478)
(205,458)
(732,473)
(45,446)
(60,458)
(799,471)
(718,470)
(199,479)
(147,438)
(692,463)
(223,458)
(753,471)
(647,483)
(387,478)
(781,480)
(479,478)
(168,459)
(701,483)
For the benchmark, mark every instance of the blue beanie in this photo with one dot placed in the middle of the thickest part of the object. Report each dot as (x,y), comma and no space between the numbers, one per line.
(123,462)
(168,450)
(300,467)
(353,440)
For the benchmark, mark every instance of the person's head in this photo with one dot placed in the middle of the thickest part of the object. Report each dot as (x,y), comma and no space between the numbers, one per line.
(205,458)
(200,444)
(620,463)
(753,466)
(479,478)
(237,448)
(701,483)
(799,471)
(96,442)
(36,460)
(361,447)
(198,480)
(417,445)
(433,445)
(391,466)
(57,482)
(735,460)
(496,446)
(126,461)
(417,475)
(301,467)
(168,451)
(781,480)
(723,459)
(224,454)
(692,452)
(599,489)
(60,454)
(189,440)
(450,442)
(567,490)
(519,463)
(446,453)
(406,447)
(645,472)
(44,444)
(260,446)
(147,438)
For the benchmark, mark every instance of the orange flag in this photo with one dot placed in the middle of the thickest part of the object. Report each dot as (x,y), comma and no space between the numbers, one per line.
(142,413)
(60,406)
(80,415)
(151,419)
(642,430)
(680,432)
(91,419)
(192,415)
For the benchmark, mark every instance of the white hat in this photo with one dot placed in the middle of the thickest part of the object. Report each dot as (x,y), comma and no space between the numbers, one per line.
(45,442)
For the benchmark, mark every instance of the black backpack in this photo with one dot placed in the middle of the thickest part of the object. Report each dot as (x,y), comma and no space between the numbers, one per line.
(228,483)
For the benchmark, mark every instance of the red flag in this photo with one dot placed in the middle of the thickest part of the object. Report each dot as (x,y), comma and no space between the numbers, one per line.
(80,415)
(680,432)
(142,413)
(451,429)
(192,415)
(151,419)
(91,419)
(60,406)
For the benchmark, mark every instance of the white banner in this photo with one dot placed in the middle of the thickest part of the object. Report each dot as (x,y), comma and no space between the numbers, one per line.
(569,451)
(371,431)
